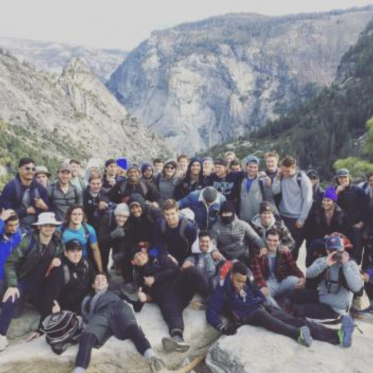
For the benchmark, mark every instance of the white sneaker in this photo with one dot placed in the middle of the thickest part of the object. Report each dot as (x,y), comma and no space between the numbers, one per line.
(3,342)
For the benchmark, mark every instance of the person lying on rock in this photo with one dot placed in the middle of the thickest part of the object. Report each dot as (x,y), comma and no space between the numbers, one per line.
(238,297)
(107,313)
(162,282)
(339,279)
(205,261)
(275,272)
(26,269)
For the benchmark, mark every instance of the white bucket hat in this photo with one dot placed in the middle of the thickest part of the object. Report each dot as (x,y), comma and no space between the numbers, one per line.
(47,218)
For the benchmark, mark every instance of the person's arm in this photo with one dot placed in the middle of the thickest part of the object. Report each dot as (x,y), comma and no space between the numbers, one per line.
(252,237)
(104,236)
(153,193)
(307,199)
(214,308)
(137,305)
(168,271)
(191,234)
(294,269)
(114,195)
(186,201)
(317,267)
(97,256)
(352,275)
(276,185)
(256,269)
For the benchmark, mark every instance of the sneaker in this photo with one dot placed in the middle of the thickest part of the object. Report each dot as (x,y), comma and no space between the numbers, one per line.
(305,338)
(3,342)
(175,343)
(346,331)
(156,364)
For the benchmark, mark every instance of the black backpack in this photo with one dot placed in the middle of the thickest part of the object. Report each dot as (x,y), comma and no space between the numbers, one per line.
(61,329)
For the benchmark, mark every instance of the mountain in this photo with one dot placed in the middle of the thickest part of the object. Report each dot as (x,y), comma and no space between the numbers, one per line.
(328,127)
(54,57)
(203,83)
(70,115)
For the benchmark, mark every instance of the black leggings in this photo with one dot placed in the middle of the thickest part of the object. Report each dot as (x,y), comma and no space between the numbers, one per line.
(89,340)
(280,322)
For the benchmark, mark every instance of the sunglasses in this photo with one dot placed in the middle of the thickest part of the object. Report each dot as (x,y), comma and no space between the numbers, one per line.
(33,169)
(169,168)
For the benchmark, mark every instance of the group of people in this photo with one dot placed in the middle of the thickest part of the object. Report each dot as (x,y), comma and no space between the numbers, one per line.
(223,229)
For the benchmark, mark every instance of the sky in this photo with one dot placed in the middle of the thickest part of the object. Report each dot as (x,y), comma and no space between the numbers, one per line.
(123,24)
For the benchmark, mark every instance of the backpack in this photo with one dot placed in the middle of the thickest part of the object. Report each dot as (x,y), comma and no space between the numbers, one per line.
(76,196)
(61,329)
(66,272)
(142,184)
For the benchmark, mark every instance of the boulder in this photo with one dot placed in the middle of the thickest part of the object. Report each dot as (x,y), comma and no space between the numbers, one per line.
(255,350)
(115,356)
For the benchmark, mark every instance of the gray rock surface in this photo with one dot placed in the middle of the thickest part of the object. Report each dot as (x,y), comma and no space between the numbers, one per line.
(203,83)
(116,356)
(254,350)
(54,57)
(72,113)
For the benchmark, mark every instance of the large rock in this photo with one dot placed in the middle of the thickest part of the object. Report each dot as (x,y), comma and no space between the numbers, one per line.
(255,350)
(202,83)
(116,356)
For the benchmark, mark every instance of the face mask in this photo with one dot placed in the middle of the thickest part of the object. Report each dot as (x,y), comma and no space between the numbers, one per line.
(227,219)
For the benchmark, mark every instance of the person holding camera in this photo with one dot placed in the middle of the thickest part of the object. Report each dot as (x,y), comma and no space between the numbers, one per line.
(339,279)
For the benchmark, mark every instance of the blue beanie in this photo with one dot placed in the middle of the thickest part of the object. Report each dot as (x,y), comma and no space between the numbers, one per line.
(331,194)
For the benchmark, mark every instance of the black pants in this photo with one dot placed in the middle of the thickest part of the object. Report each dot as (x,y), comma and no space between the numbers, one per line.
(173,302)
(89,340)
(306,304)
(297,234)
(279,322)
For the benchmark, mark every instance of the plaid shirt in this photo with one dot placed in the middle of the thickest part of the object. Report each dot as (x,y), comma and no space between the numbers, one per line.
(285,266)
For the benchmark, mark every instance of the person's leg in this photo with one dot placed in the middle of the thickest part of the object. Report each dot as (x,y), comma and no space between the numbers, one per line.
(105,252)
(318,331)
(191,281)
(172,313)
(265,319)
(316,311)
(357,241)
(273,286)
(83,358)
(286,286)
(297,234)
(302,296)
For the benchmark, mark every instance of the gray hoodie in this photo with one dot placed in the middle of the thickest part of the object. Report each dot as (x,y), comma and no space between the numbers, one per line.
(296,200)
(337,297)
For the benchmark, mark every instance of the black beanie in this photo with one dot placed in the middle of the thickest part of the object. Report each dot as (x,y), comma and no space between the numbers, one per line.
(227,206)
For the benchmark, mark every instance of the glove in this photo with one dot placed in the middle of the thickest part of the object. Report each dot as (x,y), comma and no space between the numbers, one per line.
(118,232)
(228,330)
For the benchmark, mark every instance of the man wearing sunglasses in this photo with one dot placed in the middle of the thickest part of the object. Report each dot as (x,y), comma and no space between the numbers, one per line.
(24,195)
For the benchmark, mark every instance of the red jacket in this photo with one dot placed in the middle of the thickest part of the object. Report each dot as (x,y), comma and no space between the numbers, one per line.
(285,266)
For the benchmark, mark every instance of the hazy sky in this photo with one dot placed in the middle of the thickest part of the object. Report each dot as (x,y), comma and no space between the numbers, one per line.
(125,23)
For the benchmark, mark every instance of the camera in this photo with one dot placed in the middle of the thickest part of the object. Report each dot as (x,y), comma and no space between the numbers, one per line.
(338,255)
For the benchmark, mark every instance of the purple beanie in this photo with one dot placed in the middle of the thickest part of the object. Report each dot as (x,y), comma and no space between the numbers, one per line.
(331,194)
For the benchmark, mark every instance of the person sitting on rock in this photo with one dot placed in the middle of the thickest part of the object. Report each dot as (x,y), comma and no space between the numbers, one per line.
(267,220)
(276,273)
(10,237)
(205,204)
(171,289)
(205,261)
(26,269)
(110,312)
(234,238)
(142,221)
(245,304)
(339,278)
(115,233)
(174,234)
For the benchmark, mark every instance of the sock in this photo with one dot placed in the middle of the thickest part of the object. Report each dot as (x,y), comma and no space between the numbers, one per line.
(148,354)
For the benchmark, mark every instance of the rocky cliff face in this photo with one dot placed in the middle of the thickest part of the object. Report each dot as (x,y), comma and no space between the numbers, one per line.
(54,57)
(70,114)
(203,83)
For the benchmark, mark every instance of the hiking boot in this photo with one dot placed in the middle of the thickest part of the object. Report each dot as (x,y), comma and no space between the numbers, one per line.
(175,343)
(305,338)
(346,331)
(156,364)
(3,342)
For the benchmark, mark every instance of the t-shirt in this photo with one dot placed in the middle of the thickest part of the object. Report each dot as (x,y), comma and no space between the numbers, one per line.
(80,234)
(272,261)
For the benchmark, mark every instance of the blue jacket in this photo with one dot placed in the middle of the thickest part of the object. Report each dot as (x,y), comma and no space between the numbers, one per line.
(205,216)
(224,298)
(13,193)
(6,246)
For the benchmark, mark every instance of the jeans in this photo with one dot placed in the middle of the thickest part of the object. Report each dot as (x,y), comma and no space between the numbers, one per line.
(280,289)
(26,288)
